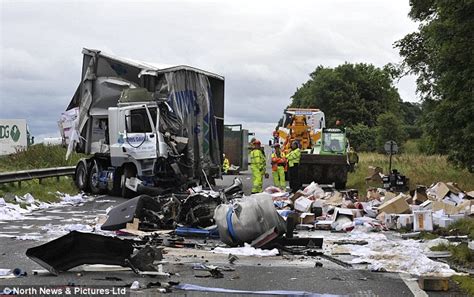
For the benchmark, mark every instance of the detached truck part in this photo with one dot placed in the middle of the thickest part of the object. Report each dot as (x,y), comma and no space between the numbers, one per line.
(145,129)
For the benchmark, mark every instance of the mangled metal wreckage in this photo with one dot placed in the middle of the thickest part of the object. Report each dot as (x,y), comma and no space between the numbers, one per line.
(147,128)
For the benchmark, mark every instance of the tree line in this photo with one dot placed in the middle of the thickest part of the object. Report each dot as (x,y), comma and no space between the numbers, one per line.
(365,99)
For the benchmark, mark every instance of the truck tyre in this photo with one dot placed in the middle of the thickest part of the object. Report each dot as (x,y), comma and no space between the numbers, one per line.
(81,176)
(128,171)
(93,179)
(115,189)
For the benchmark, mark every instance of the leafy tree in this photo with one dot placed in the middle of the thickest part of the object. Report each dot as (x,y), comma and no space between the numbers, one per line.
(411,112)
(362,138)
(390,127)
(441,54)
(354,93)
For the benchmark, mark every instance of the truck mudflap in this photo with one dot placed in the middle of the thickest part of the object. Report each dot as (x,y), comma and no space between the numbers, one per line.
(323,169)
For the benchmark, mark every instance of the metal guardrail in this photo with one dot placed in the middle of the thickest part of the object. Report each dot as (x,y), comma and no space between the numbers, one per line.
(19,176)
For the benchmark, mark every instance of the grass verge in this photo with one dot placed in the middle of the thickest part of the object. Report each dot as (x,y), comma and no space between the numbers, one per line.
(420,169)
(46,191)
(39,156)
(466,283)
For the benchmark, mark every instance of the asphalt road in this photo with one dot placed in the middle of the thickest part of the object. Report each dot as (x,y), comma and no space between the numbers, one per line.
(289,272)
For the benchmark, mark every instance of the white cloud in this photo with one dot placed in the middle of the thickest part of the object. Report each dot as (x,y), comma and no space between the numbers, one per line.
(265,49)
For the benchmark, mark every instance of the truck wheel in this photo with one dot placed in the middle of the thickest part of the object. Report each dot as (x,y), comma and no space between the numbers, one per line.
(94,178)
(115,189)
(128,171)
(81,176)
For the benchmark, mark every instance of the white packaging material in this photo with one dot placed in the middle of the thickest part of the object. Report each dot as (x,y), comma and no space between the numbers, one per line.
(423,220)
(135,285)
(443,222)
(314,190)
(427,205)
(390,220)
(303,204)
(246,250)
(404,220)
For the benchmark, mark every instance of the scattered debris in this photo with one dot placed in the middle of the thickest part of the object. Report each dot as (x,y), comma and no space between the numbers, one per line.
(78,248)
(246,250)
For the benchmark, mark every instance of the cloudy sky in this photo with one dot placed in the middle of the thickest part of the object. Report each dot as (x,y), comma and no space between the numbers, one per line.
(265,49)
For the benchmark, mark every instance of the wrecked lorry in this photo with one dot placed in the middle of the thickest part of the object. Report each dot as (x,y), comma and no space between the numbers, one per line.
(144,127)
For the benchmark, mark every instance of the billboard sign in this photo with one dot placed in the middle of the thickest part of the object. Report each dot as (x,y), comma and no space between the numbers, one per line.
(13,136)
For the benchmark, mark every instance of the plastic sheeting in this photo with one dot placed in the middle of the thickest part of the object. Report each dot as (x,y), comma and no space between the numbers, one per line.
(190,287)
(247,218)
(189,96)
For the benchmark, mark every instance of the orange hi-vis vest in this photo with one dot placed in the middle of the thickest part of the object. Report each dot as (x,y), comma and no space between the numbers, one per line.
(278,161)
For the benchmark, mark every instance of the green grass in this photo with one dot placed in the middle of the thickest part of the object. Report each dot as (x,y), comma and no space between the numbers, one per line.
(39,156)
(46,191)
(420,169)
(440,247)
(411,146)
(466,283)
(460,254)
(463,227)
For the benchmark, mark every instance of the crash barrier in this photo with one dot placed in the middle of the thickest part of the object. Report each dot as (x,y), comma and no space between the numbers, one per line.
(19,176)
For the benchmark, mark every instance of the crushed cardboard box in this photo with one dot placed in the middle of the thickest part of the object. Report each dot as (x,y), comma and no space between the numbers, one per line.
(395,205)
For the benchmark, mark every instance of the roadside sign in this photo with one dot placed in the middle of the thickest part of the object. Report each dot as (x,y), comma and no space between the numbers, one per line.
(391,147)
(13,136)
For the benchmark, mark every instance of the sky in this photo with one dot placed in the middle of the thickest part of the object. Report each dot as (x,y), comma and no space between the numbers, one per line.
(264,49)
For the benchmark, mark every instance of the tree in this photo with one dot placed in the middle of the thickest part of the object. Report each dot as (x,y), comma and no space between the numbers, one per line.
(354,93)
(362,138)
(441,54)
(390,127)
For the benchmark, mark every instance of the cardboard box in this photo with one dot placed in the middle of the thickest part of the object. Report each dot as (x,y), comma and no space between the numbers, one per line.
(390,221)
(439,191)
(423,220)
(307,218)
(404,221)
(431,283)
(323,225)
(371,195)
(448,208)
(335,199)
(465,206)
(390,195)
(303,204)
(343,212)
(395,205)
(419,196)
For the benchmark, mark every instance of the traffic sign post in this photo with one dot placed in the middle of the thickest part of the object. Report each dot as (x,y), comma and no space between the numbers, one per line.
(391,147)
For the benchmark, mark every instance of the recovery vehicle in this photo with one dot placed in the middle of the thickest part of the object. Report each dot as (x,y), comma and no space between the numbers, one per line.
(323,150)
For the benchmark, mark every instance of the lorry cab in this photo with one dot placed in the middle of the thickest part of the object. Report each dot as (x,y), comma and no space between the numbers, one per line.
(133,136)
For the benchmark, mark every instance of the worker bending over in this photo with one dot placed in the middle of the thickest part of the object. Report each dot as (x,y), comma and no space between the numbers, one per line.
(257,165)
(293,158)
(353,159)
(278,167)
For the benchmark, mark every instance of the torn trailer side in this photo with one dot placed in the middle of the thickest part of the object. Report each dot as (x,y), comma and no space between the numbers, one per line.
(163,127)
